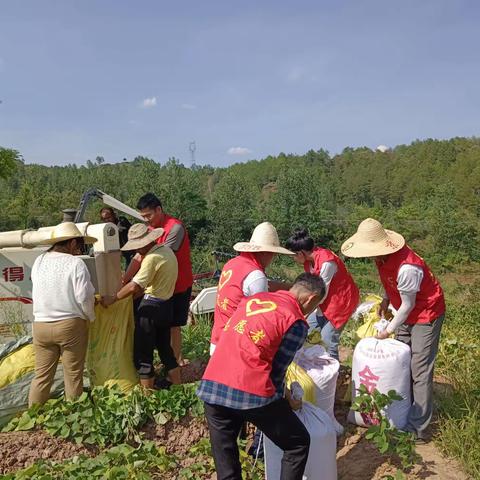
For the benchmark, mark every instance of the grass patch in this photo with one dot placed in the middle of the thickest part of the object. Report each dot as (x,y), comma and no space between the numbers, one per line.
(458,363)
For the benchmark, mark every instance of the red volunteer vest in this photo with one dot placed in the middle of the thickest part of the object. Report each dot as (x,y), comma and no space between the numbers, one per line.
(185,276)
(343,295)
(429,303)
(230,290)
(250,339)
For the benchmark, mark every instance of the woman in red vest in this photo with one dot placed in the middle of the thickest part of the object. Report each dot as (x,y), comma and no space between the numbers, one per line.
(245,378)
(244,275)
(342,295)
(412,289)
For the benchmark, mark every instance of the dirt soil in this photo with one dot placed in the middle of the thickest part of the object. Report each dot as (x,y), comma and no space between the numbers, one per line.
(192,371)
(356,457)
(178,437)
(21,449)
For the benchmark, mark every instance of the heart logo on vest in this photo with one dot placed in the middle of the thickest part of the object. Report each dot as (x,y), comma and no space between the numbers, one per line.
(263,306)
(224,278)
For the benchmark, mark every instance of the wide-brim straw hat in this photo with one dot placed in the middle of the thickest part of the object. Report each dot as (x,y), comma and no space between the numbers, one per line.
(264,239)
(372,240)
(67,231)
(139,236)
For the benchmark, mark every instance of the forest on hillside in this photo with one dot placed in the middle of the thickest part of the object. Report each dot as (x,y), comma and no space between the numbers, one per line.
(428,190)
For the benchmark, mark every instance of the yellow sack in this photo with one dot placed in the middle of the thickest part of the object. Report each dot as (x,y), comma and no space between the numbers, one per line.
(110,346)
(295,373)
(370,318)
(16,365)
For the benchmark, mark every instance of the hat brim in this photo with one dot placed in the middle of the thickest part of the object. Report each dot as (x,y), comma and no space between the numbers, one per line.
(135,244)
(356,247)
(253,247)
(53,241)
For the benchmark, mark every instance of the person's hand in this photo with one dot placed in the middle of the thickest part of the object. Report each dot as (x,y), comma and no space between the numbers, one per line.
(108,300)
(383,308)
(294,404)
(382,335)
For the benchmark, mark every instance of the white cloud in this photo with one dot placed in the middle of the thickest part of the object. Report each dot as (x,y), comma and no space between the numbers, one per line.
(238,151)
(149,102)
(188,106)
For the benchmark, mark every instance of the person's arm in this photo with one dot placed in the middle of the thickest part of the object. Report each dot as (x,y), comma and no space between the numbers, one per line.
(292,341)
(138,284)
(255,282)
(409,279)
(274,285)
(131,288)
(132,269)
(84,291)
(408,302)
(327,272)
(175,237)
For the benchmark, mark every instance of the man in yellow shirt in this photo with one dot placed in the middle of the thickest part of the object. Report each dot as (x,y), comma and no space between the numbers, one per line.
(156,281)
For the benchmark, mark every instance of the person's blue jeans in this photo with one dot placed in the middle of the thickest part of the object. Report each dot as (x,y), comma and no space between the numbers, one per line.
(330,334)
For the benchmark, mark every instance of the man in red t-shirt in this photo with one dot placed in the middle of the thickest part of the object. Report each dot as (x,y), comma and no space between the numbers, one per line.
(176,237)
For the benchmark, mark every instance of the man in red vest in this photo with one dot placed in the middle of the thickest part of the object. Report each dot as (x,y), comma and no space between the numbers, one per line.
(245,378)
(175,236)
(342,295)
(244,275)
(412,289)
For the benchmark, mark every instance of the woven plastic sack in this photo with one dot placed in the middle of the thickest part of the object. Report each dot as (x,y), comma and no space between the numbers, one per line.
(295,373)
(382,365)
(110,346)
(323,371)
(17,363)
(367,311)
(321,463)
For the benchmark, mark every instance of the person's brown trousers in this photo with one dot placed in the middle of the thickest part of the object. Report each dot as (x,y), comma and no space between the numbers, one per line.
(65,338)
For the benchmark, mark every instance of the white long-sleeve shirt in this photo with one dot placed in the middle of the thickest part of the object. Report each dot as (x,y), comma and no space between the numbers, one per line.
(62,288)
(409,278)
(327,272)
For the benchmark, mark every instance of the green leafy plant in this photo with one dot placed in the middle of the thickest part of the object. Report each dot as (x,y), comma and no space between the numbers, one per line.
(196,338)
(120,462)
(388,439)
(204,467)
(108,416)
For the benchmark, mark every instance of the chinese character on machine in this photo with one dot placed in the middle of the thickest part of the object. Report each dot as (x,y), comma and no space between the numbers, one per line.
(13,274)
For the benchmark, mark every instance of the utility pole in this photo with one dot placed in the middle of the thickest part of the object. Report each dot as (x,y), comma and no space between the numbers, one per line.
(192,147)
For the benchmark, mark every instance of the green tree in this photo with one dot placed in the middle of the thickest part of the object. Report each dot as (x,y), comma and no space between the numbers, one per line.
(9,160)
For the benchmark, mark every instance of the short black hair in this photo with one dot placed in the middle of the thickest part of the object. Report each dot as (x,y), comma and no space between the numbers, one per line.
(149,200)
(109,209)
(313,283)
(300,240)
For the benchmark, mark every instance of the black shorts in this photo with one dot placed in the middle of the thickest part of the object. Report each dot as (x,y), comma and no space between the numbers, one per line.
(181,304)
(152,330)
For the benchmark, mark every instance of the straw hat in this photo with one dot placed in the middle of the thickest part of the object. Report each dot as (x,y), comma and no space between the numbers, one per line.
(372,240)
(264,239)
(67,231)
(140,236)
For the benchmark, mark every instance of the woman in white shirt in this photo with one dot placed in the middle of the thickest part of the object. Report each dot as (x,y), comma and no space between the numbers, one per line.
(63,302)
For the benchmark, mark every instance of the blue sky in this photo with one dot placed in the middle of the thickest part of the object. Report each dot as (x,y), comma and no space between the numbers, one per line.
(246,79)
